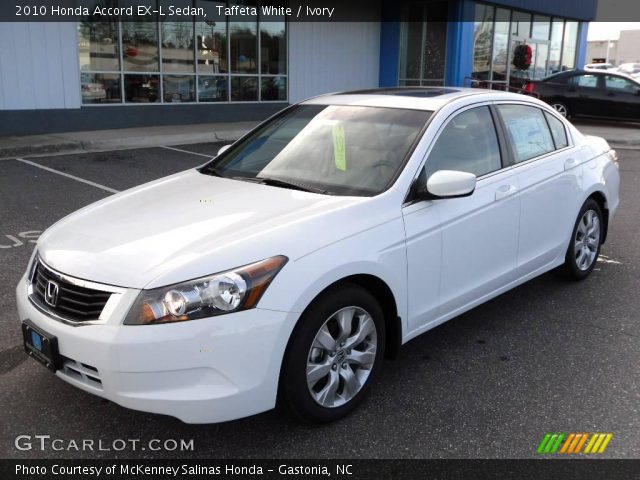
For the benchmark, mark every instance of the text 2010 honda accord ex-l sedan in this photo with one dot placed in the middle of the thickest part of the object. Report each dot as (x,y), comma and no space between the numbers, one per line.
(286,268)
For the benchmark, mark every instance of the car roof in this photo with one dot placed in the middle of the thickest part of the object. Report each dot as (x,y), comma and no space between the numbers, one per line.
(570,73)
(412,98)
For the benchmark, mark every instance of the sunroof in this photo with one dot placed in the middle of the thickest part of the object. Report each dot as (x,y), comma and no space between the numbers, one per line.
(406,92)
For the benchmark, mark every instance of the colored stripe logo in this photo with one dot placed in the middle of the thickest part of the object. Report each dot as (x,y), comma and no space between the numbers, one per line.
(574,443)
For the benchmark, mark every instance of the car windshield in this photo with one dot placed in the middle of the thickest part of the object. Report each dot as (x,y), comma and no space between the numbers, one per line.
(333,149)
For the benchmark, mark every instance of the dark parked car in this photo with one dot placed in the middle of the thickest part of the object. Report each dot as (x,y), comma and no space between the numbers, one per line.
(590,93)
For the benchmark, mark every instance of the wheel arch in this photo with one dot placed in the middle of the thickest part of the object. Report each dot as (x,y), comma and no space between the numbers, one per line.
(601,199)
(383,293)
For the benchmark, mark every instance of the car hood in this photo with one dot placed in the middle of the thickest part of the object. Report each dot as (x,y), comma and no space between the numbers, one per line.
(190,225)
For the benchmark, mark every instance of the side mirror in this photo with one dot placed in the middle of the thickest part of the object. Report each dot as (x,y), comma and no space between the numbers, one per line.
(448,184)
(223,149)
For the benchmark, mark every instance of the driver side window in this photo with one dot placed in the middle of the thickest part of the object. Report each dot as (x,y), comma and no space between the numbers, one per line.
(468,143)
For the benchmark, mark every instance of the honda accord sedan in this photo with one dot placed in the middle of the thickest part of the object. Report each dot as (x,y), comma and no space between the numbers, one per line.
(590,93)
(288,267)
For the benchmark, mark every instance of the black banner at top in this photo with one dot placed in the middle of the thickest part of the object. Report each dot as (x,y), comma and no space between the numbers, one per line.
(294,10)
(200,10)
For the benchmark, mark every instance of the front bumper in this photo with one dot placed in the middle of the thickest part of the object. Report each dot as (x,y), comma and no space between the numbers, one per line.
(200,371)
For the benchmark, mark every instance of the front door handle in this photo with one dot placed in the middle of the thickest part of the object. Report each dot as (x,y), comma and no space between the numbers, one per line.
(569,163)
(505,190)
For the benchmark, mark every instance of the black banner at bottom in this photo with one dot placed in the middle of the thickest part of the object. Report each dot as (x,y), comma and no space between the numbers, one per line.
(318,469)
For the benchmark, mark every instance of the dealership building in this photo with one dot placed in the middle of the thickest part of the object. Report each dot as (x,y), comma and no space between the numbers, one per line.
(87,75)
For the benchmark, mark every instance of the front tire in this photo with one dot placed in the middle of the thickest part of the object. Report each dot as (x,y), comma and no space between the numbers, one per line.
(334,354)
(586,239)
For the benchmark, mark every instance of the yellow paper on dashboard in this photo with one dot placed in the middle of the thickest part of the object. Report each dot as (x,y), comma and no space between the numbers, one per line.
(339,149)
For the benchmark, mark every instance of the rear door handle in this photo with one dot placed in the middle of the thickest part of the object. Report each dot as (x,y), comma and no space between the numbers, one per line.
(569,163)
(505,190)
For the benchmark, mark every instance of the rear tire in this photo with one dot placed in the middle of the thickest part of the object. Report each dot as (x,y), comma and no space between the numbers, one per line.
(561,107)
(334,355)
(586,239)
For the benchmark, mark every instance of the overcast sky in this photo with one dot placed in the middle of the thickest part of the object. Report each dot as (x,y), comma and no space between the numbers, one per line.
(610,30)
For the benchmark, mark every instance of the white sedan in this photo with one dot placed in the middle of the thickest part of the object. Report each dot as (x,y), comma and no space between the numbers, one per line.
(287,267)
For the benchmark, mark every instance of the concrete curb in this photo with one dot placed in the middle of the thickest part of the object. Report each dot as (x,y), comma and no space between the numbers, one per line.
(58,147)
(42,149)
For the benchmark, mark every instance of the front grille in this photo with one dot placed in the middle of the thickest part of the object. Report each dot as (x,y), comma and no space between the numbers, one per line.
(73,302)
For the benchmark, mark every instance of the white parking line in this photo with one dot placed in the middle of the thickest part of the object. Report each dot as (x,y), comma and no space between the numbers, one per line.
(187,151)
(73,177)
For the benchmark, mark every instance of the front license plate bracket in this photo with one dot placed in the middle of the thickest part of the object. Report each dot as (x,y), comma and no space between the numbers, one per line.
(41,346)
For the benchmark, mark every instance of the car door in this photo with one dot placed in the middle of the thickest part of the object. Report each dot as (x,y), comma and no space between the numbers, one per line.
(462,249)
(549,176)
(623,97)
(586,94)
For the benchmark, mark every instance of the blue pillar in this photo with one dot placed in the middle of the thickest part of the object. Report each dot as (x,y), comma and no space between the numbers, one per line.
(460,28)
(389,43)
(582,45)
(389,53)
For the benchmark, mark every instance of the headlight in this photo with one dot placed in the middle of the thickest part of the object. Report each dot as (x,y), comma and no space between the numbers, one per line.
(31,268)
(225,292)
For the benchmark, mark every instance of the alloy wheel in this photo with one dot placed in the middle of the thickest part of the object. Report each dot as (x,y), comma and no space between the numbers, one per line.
(587,240)
(561,109)
(341,357)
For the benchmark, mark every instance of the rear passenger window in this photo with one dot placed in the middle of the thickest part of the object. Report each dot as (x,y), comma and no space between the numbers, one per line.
(620,84)
(468,143)
(584,81)
(528,131)
(557,131)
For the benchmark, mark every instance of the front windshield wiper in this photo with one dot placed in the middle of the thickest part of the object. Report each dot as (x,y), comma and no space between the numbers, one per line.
(211,170)
(276,182)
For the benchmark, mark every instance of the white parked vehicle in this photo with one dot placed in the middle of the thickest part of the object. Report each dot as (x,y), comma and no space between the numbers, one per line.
(599,66)
(629,68)
(288,266)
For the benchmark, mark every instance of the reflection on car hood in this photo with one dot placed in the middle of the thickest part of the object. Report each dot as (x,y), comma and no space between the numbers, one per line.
(190,225)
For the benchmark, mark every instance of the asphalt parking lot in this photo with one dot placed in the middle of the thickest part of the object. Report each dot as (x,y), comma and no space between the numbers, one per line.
(549,356)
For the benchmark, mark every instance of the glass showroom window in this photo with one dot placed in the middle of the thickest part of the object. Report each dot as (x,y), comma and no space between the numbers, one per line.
(212,48)
(243,41)
(273,58)
(555,45)
(140,46)
(423,44)
(540,31)
(201,60)
(482,42)
(501,45)
(570,44)
(499,33)
(99,50)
